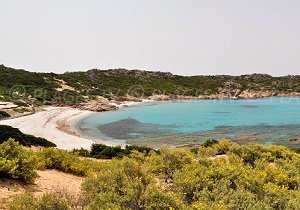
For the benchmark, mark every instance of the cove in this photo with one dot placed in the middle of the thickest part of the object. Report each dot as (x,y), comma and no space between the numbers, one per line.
(273,120)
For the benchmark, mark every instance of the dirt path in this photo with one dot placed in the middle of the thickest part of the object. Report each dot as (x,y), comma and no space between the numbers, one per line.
(48,181)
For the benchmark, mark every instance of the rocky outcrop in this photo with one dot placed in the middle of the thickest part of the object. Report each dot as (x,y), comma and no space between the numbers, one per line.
(8,105)
(246,94)
(96,106)
(127,98)
(160,97)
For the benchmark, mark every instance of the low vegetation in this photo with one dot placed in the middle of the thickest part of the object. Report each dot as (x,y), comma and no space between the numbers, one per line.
(218,175)
(51,158)
(21,109)
(4,114)
(7,132)
(16,162)
(20,163)
(101,151)
(49,201)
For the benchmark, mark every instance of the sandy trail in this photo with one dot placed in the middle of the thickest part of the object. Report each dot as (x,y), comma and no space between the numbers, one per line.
(49,181)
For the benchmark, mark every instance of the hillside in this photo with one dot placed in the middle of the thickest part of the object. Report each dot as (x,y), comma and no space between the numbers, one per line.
(71,87)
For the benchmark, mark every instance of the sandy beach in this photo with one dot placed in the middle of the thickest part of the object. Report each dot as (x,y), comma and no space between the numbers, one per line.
(54,125)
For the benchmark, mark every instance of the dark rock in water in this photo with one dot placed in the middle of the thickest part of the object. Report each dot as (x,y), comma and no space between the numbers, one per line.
(131,128)
(295,140)
(119,128)
(221,112)
(249,106)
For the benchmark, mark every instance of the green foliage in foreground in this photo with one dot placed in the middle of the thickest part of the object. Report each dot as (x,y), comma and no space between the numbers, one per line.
(51,158)
(244,177)
(47,202)
(15,162)
(7,132)
(19,163)
(219,175)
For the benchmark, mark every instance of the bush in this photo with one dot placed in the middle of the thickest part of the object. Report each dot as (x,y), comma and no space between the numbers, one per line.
(244,177)
(82,152)
(63,161)
(27,201)
(21,103)
(24,201)
(7,132)
(108,152)
(21,110)
(210,142)
(17,163)
(123,184)
(4,114)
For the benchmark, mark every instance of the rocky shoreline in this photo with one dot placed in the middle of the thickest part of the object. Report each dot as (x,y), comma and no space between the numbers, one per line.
(101,104)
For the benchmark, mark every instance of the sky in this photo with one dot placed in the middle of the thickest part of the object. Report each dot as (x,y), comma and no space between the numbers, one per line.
(186,37)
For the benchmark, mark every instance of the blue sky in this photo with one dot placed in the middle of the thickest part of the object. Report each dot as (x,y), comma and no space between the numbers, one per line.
(185,37)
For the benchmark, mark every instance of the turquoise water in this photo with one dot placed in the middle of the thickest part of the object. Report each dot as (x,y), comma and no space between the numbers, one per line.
(273,120)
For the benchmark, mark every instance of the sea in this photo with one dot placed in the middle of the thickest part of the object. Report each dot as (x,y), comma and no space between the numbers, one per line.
(188,123)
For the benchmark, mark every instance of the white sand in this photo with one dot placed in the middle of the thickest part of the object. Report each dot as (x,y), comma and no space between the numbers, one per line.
(131,103)
(44,124)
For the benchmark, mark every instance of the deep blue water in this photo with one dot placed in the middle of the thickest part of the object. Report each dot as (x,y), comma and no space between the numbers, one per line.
(273,120)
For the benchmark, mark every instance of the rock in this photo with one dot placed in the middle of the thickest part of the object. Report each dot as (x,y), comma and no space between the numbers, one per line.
(295,140)
(127,98)
(159,97)
(96,106)
(8,105)
(254,94)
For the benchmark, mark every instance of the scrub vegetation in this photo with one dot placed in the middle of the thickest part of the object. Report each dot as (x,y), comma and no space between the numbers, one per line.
(217,175)
(72,87)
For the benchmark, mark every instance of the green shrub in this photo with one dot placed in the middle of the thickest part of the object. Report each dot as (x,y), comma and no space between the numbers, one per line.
(27,201)
(167,161)
(63,161)
(109,152)
(210,142)
(82,152)
(244,177)
(52,202)
(21,103)
(24,201)
(21,110)
(123,184)
(7,132)
(4,114)
(17,163)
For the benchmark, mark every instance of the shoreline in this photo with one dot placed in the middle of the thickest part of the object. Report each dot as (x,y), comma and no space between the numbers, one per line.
(52,124)
(75,127)
(58,125)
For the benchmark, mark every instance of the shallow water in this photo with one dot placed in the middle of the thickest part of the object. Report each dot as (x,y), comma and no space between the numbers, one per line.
(273,120)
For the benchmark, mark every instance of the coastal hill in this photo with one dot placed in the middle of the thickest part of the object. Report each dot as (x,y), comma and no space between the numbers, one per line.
(80,86)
